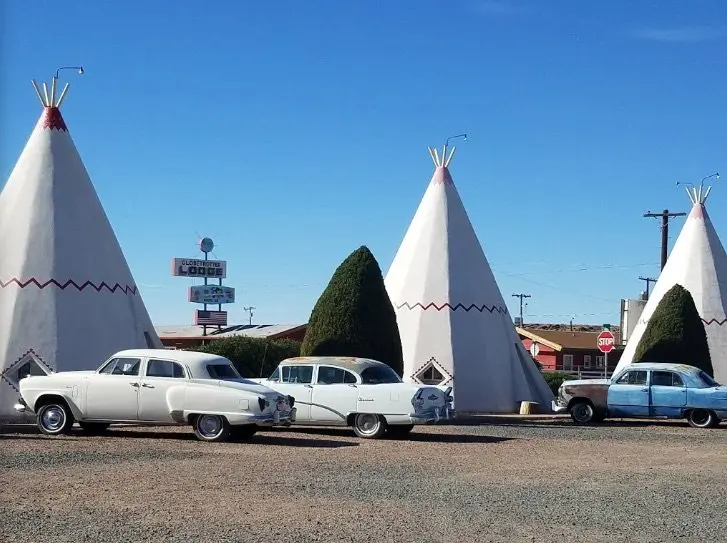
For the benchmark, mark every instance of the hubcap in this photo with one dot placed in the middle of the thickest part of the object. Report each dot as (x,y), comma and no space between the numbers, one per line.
(368,424)
(53,418)
(582,412)
(209,425)
(700,417)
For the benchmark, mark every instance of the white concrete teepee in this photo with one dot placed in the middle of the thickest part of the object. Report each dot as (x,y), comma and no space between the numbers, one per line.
(67,297)
(454,324)
(697,262)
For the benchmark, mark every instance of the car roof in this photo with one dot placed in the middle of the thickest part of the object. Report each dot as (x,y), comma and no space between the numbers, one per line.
(352,363)
(186,357)
(663,366)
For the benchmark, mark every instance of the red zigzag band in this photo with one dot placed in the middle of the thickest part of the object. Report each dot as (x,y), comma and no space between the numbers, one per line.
(128,289)
(714,321)
(430,305)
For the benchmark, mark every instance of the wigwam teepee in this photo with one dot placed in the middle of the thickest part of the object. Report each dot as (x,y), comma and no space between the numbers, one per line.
(454,325)
(67,297)
(697,262)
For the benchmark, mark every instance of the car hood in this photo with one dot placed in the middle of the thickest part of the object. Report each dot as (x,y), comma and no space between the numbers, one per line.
(582,382)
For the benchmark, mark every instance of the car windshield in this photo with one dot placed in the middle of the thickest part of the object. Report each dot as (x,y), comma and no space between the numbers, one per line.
(226,372)
(376,375)
(707,379)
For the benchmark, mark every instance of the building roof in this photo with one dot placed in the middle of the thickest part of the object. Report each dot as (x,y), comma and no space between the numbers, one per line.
(191,331)
(561,337)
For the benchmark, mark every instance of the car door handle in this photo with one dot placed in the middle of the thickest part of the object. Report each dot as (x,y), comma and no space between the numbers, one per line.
(147,386)
(354,386)
(134,383)
(644,390)
(308,386)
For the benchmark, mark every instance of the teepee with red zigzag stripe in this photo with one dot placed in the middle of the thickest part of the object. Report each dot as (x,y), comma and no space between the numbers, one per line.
(67,297)
(454,325)
(698,262)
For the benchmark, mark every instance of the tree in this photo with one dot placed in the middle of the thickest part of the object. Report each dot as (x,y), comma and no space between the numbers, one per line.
(354,315)
(675,333)
(252,356)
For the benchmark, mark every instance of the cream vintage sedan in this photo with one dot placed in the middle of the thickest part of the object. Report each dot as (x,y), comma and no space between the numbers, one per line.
(364,394)
(156,387)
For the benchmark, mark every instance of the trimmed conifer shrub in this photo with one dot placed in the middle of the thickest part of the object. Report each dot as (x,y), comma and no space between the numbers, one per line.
(354,315)
(675,333)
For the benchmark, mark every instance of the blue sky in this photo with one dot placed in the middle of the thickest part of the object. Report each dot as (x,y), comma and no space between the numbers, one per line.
(292,132)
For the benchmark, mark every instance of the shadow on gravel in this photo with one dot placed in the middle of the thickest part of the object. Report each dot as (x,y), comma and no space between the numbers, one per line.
(256,439)
(414,436)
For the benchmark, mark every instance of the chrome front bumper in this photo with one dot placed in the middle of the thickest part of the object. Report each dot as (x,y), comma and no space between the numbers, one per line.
(437,415)
(21,406)
(557,408)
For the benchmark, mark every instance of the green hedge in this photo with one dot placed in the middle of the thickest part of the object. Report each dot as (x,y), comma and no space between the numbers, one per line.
(555,379)
(253,357)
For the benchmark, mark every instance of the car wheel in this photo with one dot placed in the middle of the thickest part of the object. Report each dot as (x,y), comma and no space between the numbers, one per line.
(702,418)
(243,432)
(582,412)
(399,430)
(211,428)
(54,418)
(93,428)
(369,426)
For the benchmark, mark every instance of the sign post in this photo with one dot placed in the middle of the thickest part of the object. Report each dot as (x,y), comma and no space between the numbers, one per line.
(606,343)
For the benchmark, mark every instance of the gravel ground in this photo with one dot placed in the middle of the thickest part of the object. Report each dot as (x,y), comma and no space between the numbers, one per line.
(502,480)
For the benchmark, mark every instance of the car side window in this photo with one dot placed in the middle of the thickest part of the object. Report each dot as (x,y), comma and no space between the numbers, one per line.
(634,377)
(297,374)
(328,375)
(164,368)
(666,379)
(275,375)
(122,366)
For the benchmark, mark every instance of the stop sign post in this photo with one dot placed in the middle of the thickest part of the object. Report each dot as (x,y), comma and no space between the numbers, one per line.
(606,343)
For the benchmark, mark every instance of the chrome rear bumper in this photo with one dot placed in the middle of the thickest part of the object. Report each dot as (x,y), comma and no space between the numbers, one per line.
(557,408)
(438,415)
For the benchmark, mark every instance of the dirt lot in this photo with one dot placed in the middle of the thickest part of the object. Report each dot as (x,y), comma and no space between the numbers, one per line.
(503,480)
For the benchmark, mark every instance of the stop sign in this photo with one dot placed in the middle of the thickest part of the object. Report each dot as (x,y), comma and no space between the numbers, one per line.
(606,341)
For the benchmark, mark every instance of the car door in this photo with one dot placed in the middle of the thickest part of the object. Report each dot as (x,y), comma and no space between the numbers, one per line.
(296,381)
(113,392)
(335,395)
(668,394)
(159,376)
(629,395)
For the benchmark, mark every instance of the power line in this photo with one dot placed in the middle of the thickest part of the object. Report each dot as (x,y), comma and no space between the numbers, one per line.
(648,280)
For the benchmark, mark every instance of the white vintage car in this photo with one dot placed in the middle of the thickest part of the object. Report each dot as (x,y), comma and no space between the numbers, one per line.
(156,387)
(358,392)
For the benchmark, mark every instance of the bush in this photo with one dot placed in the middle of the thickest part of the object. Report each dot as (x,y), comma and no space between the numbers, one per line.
(354,315)
(555,379)
(675,333)
(253,357)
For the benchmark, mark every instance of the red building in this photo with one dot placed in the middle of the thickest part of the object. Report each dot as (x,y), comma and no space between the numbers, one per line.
(572,349)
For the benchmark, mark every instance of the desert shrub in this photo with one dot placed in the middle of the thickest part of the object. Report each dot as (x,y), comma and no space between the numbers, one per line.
(354,315)
(675,333)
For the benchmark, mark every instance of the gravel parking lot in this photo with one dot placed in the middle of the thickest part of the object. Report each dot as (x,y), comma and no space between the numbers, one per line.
(502,480)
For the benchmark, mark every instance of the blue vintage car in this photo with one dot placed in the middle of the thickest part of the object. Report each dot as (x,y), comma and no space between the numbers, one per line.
(646,390)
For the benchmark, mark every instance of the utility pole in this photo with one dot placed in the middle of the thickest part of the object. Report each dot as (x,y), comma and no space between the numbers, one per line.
(665,216)
(249,310)
(648,280)
(521,296)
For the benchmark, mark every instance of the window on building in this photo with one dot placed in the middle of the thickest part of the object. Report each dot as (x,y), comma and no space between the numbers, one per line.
(599,361)
(587,361)
(568,362)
